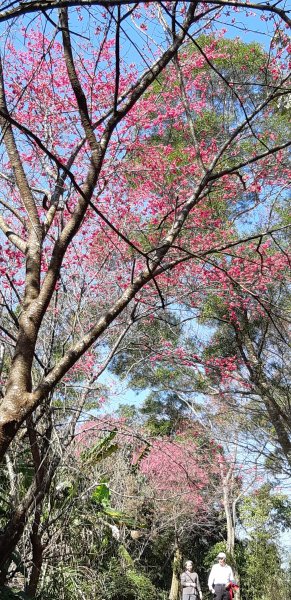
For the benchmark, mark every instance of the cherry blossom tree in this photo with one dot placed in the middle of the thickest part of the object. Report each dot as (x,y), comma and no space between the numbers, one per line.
(74,119)
(183,474)
(117,188)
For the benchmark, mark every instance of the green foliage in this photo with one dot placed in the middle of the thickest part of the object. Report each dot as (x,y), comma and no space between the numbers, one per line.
(122,518)
(211,556)
(115,583)
(128,412)
(101,494)
(262,569)
(165,327)
(69,583)
(264,515)
(128,583)
(126,560)
(163,412)
(101,450)
(101,497)
(143,587)
(10,594)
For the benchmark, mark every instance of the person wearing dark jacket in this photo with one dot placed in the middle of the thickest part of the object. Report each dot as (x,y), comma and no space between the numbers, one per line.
(191,589)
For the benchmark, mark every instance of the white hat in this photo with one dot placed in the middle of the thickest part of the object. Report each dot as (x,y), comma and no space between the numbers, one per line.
(221,555)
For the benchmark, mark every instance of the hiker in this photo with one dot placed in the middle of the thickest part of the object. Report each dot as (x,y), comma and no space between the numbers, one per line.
(191,589)
(221,578)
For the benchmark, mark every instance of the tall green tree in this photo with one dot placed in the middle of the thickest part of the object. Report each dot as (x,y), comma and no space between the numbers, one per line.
(264,515)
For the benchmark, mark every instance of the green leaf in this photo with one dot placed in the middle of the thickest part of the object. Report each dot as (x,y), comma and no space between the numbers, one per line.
(101,450)
(101,494)
(122,518)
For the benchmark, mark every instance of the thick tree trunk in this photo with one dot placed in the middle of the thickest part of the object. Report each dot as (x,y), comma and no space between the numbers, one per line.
(19,401)
(175,585)
(9,540)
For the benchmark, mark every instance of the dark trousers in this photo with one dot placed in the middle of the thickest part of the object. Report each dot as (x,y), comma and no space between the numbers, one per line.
(220,592)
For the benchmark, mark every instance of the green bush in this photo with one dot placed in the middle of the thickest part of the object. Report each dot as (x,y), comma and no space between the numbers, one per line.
(10,594)
(118,582)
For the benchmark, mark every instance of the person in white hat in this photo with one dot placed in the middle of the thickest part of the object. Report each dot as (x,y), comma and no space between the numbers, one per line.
(220,578)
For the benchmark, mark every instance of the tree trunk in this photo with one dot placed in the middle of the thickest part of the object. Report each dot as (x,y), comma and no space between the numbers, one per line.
(37,554)
(33,499)
(175,585)
(229,505)
(9,540)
